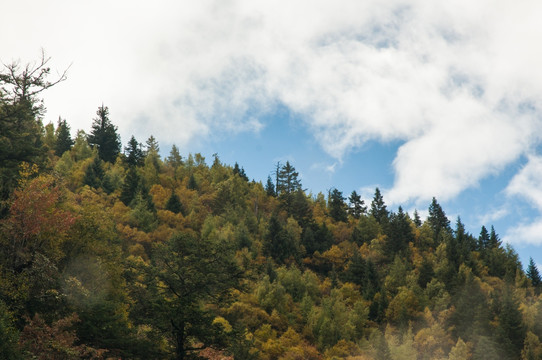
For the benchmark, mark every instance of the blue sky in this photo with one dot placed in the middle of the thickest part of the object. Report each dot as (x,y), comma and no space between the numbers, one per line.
(417,97)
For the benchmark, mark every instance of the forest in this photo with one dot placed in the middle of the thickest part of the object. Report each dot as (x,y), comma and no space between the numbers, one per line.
(115,252)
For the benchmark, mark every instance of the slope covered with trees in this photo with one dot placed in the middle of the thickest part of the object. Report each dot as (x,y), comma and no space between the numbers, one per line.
(110,254)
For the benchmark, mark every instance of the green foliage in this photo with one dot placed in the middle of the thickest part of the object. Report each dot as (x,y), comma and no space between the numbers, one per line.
(356,205)
(438,221)
(184,272)
(8,335)
(178,259)
(379,209)
(64,142)
(533,274)
(174,204)
(133,152)
(104,136)
(337,207)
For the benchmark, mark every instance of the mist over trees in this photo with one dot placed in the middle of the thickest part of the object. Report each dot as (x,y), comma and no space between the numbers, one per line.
(125,254)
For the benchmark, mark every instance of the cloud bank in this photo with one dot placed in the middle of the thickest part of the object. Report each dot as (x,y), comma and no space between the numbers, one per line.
(458,84)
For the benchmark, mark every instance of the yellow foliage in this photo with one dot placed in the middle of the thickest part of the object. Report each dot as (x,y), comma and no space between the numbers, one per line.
(224,323)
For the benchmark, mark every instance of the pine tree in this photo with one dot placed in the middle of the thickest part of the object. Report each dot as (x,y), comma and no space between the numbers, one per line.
(130,186)
(483,239)
(494,241)
(104,136)
(240,172)
(192,183)
(357,205)
(378,207)
(133,152)
(151,146)
(270,187)
(355,273)
(533,274)
(417,220)
(337,207)
(438,221)
(174,204)
(399,233)
(94,174)
(64,142)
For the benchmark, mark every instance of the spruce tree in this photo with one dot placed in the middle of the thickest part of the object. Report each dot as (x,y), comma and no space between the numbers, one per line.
(104,136)
(133,152)
(357,205)
(240,172)
(94,174)
(192,183)
(64,142)
(438,221)
(270,187)
(483,239)
(130,186)
(378,207)
(533,274)
(336,205)
(174,204)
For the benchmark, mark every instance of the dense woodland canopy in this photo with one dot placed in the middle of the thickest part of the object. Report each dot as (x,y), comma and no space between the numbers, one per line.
(111,252)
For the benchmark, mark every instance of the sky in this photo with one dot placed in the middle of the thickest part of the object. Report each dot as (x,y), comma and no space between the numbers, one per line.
(420,98)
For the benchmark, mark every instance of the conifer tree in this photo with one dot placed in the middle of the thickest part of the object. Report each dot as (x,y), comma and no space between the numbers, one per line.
(494,241)
(437,219)
(287,184)
(533,274)
(483,239)
(133,152)
(151,145)
(399,233)
(192,183)
(174,204)
(130,186)
(357,205)
(104,136)
(417,220)
(337,207)
(378,208)
(94,173)
(240,172)
(64,142)
(270,187)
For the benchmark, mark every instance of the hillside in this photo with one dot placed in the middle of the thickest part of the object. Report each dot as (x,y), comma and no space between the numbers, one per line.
(111,252)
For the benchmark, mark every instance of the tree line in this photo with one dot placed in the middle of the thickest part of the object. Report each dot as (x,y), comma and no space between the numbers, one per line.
(111,252)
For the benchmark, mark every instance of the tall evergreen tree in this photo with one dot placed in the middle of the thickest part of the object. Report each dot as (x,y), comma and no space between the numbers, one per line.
(417,220)
(64,142)
(151,145)
(357,205)
(483,239)
(133,152)
(336,205)
(130,186)
(494,241)
(437,219)
(399,233)
(174,204)
(270,187)
(378,208)
(533,274)
(240,172)
(287,184)
(94,174)
(104,136)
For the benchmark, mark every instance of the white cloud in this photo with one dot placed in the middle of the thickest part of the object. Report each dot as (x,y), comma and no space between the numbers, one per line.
(526,183)
(459,82)
(525,234)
